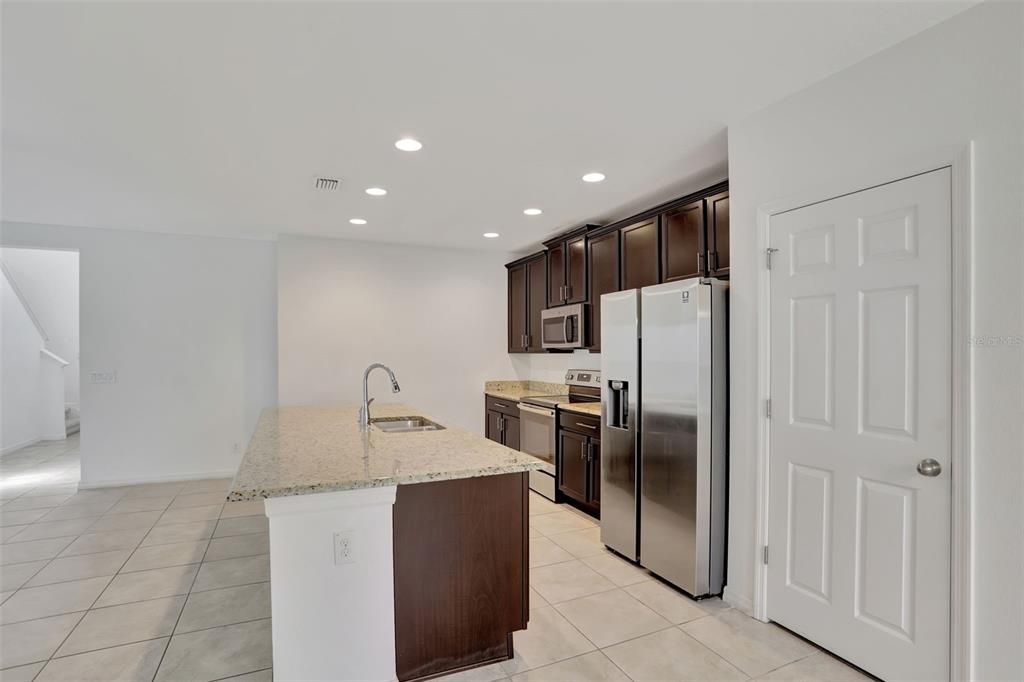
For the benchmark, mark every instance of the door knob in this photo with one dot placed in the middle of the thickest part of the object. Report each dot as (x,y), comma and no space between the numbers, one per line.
(929,467)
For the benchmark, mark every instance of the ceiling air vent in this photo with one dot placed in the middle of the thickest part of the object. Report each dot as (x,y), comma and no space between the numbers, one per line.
(329,184)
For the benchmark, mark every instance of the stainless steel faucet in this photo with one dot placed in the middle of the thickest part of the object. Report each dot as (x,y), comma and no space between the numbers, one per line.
(364,411)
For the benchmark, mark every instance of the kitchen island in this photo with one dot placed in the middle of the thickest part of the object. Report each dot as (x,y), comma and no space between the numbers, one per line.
(396,554)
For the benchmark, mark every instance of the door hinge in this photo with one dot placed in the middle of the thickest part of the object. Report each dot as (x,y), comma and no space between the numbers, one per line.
(768,408)
(768,256)
(764,555)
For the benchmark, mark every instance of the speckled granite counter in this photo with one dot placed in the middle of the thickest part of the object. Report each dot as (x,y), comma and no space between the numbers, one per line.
(593,409)
(516,390)
(303,450)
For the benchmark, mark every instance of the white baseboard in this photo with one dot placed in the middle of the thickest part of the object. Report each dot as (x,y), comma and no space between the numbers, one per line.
(738,601)
(55,436)
(18,446)
(172,478)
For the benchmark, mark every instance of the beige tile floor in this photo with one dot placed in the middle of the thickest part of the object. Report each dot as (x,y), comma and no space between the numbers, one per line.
(168,582)
(151,582)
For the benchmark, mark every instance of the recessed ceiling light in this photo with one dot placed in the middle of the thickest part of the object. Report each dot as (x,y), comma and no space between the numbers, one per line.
(376,191)
(533,211)
(357,221)
(593,177)
(408,144)
(491,235)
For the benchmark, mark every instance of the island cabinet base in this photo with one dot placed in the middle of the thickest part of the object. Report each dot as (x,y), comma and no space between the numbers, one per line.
(461,553)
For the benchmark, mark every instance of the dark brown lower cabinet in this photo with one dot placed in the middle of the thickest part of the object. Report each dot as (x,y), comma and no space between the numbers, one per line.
(494,426)
(595,472)
(579,460)
(572,465)
(461,553)
(511,432)
(502,421)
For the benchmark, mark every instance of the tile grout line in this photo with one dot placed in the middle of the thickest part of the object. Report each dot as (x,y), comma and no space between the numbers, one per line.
(231,677)
(727,661)
(153,639)
(163,655)
(121,571)
(91,607)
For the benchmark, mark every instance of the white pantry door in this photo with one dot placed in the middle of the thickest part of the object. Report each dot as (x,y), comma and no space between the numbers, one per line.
(859,538)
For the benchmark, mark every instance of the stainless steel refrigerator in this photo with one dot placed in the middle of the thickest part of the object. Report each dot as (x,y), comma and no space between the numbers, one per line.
(664,430)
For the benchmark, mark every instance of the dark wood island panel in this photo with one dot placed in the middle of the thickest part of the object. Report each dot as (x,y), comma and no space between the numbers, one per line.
(461,550)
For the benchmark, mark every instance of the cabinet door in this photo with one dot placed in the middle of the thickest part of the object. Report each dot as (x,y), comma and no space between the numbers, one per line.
(517,309)
(604,279)
(536,295)
(576,270)
(572,465)
(718,234)
(682,242)
(512,432)
(493,427)
(556,275)
(640,254)
(595,472)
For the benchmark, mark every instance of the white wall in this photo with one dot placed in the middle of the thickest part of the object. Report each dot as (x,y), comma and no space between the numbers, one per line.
(20,370)
(959,81)
(436,317)
(552,366)
(48,280)
(189,326)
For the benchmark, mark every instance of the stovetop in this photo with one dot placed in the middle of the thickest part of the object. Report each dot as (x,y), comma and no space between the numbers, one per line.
(555,400)
(584,387)
(546,400)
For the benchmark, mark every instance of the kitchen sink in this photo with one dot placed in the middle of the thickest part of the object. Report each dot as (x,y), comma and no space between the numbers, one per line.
(405,424)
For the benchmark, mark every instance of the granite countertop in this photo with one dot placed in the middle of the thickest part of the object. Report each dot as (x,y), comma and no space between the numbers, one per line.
(304,450)
(593,409)
(516,390)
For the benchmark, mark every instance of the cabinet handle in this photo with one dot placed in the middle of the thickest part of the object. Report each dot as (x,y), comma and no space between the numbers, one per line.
(586,426)
(590,451)
(501,425)
(700,263)
(501,405)
(583,452)
(526,341)
(568,292)
(713,258)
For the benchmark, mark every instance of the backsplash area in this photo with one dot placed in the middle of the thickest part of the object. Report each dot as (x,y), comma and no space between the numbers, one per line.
(552,366)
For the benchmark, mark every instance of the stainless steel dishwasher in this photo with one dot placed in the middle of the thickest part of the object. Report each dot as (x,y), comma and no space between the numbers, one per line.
(537,438)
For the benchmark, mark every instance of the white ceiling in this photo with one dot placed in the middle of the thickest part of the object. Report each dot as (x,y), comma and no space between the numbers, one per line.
(215,117)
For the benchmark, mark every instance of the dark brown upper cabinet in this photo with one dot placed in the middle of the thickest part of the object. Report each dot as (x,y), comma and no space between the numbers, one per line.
(603,276)
(683,249)
(536,284)
(567,269)
(683,238)
(717,212)
(640,261)
(517,308)
(527,286)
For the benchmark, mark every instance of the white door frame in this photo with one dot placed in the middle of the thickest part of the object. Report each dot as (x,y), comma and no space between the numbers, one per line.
(960,161)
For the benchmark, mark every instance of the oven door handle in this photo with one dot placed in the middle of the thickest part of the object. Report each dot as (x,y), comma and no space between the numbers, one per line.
(537,410)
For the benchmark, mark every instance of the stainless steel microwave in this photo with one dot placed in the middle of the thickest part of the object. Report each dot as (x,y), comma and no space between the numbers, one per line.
(563,327)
